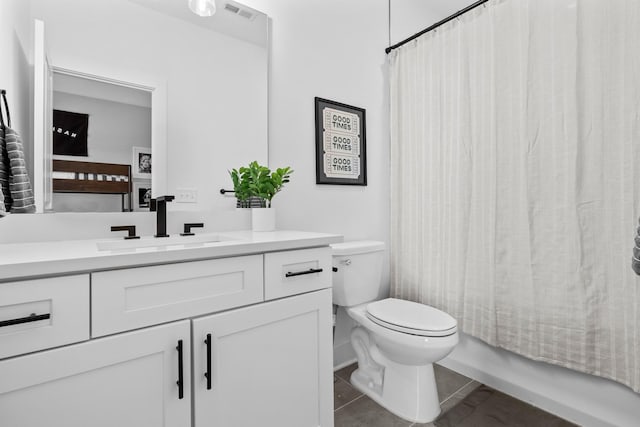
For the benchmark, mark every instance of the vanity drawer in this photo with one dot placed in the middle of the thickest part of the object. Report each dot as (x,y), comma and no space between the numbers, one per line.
(43,313)
(295,272)
(136,297)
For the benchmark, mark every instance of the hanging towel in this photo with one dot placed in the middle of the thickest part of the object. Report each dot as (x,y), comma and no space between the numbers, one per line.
(3,210)
(19,183)
(5,195)
(635,260)
(14,179)
(4,175)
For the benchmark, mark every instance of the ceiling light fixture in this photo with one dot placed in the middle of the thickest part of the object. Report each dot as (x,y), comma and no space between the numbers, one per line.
(203,7)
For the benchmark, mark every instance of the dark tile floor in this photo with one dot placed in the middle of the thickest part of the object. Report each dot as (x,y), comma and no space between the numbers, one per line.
(353,409)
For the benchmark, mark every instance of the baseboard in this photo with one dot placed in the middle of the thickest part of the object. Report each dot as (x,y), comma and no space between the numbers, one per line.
(580,398)
(343,355)
(344,364)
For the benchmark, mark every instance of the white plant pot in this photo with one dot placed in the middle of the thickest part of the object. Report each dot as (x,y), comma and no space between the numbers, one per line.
(263,219)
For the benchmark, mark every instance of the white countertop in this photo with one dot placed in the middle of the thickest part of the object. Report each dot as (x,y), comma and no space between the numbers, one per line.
(27,260)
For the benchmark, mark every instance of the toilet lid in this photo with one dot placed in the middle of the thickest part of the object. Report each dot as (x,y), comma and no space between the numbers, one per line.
(411,318)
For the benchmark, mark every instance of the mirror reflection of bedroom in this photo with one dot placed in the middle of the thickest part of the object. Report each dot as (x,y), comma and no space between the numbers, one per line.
(101,145)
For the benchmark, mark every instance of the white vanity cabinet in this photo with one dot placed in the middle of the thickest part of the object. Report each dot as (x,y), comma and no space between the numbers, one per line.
(132,298)
(128,379)
(265,365)
(240,340)
(43,313)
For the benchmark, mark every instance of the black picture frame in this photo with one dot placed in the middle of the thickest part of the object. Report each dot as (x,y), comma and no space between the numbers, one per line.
(141,162)
(141,196)
(341,156)
(70,133)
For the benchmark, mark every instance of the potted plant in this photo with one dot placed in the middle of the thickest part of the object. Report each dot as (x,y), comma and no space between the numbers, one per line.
(255,186)
(240,179)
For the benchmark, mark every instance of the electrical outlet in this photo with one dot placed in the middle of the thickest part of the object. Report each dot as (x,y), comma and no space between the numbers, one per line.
(187,195)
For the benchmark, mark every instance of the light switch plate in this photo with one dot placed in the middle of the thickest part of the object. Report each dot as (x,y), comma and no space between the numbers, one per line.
(187,195)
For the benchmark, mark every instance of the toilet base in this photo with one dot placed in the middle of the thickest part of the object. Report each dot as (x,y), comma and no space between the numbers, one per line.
(407,391)
(396,369)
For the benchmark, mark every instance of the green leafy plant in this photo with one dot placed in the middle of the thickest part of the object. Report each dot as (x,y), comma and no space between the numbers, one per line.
(256,181)
(240,181)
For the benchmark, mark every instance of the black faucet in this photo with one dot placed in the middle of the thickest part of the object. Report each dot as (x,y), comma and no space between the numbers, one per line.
(188,226)
(131,229)
(159,205)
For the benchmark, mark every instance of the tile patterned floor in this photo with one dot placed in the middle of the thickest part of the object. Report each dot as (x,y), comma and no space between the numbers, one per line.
(353,409)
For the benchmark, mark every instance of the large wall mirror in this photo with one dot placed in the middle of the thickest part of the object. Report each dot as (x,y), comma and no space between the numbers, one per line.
(157,86)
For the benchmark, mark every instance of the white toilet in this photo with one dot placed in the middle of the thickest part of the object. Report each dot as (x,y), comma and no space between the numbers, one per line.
(396,341)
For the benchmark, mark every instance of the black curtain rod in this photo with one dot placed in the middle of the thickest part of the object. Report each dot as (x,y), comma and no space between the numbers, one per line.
(436,25)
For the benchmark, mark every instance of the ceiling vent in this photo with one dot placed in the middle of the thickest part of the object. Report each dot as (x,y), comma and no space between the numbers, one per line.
(245,13)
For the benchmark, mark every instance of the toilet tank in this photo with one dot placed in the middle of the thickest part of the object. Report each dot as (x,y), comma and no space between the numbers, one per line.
(359,276)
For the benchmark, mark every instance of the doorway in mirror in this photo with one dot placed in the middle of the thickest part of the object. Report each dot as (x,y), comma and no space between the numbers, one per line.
(102,128)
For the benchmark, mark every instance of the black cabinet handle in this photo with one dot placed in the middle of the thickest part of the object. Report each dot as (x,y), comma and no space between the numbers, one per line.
(300,273)
(31,318)
(180,381)
(207,374)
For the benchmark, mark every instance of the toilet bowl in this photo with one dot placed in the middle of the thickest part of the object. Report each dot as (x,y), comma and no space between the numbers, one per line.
(396,341)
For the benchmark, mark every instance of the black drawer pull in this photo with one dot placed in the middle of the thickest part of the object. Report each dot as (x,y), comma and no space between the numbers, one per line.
(31,318)
(180,381)
(207,374)
(300,273)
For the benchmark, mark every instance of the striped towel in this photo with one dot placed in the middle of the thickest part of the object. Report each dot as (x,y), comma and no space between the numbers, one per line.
(5,201)
(3,209)
(635,260)
(19,198)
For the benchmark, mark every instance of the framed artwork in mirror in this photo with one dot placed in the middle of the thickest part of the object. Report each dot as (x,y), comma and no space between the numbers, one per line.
(141,196)
(70,132)
(340,144)
(141,162)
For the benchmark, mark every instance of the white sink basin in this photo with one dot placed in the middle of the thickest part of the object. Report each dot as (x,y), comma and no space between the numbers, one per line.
(160,242)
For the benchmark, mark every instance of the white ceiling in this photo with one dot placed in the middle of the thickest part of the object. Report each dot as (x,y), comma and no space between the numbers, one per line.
(253,30)
(100,90)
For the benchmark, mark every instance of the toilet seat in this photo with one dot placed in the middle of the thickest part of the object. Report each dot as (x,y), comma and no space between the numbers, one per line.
(411,318)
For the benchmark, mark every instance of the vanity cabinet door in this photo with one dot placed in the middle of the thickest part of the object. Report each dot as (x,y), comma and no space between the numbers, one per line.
(269,365)
(123,380)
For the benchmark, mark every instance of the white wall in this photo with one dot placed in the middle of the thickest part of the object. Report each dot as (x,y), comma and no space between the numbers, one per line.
(15,70)
(332,49)
(409,17)
(584,399)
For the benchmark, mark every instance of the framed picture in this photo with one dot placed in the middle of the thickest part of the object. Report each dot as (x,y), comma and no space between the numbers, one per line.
(141,162)
(340,144)
(141,196)
(70,132)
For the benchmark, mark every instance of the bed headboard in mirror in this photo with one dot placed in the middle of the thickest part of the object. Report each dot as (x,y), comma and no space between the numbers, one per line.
(213,73)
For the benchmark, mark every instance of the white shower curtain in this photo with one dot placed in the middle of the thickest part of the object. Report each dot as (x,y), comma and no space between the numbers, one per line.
(516,178)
